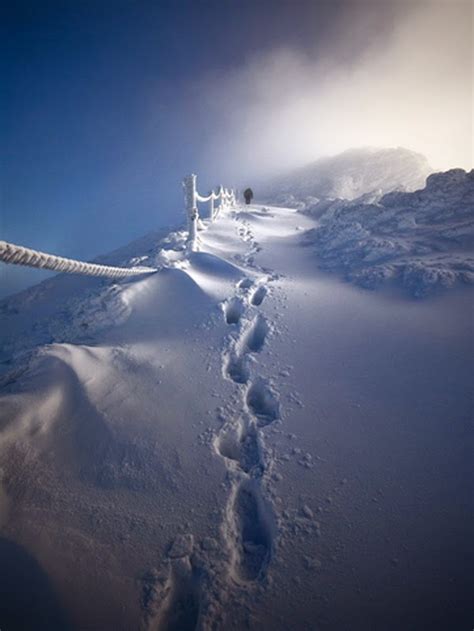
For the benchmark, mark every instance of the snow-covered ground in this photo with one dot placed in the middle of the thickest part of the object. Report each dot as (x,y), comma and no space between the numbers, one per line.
(423,240)
(238,441)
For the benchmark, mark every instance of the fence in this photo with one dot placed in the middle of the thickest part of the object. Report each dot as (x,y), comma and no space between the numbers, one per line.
(19,255)
(192,197)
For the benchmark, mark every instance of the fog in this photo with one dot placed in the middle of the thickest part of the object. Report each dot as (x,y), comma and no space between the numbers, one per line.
(409,85)
(100,130)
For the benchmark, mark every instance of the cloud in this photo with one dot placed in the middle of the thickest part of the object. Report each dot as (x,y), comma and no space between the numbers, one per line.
(401,78)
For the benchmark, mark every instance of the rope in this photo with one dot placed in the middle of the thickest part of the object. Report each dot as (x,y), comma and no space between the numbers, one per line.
(19,255)
(200,198)
(224,194)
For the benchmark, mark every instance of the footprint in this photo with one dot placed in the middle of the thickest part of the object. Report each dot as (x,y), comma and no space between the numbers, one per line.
(263,402)
(254,337)
(258,296)
(245,283)
(181,611)
(233,310)
(250,453)
(171,598)
(227,443)
(252,533)
(241,447)
(155,592)
(236,368)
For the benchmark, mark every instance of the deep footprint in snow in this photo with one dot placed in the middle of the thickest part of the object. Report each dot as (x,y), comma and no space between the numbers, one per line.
(250,453)
(155,592)
(227,443)
(182,611)
(245,283)
(236,368)
(241,448)
(263,402)
(172,597)
(254,541)
(258,296)
(255,335)
(233,310)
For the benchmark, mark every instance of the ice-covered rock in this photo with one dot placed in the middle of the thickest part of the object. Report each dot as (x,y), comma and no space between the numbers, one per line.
(422,239)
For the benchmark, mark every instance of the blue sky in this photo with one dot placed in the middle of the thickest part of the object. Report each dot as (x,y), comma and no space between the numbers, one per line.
(106,105)
(97,120)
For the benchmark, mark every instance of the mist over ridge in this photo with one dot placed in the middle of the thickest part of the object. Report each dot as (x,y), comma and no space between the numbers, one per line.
(399,74)
(350,174)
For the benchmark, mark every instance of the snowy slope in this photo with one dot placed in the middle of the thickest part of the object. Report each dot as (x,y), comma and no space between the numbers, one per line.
(235,442)
(423,240)
(349,175)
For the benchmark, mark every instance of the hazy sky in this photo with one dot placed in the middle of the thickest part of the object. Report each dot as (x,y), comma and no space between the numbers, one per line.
(106,105)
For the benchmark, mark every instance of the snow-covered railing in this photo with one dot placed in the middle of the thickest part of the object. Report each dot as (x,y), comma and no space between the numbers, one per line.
(19,255)
(191,199)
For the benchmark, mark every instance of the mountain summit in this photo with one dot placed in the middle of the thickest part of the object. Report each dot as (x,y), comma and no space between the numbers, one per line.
(349,175)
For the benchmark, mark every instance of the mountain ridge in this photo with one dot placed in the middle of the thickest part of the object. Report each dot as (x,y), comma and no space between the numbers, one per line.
(422,239)
(349,175)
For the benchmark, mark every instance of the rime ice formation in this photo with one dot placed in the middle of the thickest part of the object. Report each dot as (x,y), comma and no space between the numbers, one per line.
(423,240)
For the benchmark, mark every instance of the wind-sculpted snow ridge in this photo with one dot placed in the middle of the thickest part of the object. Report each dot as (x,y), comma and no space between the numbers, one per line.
(93,395)
(74,309)
(423,240)
(349,175)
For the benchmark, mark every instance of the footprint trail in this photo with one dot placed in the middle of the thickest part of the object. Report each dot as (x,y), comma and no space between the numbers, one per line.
(186,595)
(249,526)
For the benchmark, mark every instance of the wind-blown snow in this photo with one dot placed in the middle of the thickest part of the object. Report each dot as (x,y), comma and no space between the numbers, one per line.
(75,309)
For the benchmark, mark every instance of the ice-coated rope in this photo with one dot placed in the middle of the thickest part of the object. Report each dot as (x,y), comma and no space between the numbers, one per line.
(201,198)
(19,255)
(191,199)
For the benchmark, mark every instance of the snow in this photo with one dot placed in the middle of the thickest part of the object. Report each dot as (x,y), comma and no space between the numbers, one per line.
(239,441)
(422,240)
(365,171)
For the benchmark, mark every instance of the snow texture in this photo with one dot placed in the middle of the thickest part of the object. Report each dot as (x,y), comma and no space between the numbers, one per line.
(422,240)
(349,175)
(240,441)
(75,309)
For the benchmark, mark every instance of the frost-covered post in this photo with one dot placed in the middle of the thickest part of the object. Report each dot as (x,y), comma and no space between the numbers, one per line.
(211,206)
(189,185)
(222,194)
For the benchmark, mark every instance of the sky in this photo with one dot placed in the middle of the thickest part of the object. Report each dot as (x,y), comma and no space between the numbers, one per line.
(106,105)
